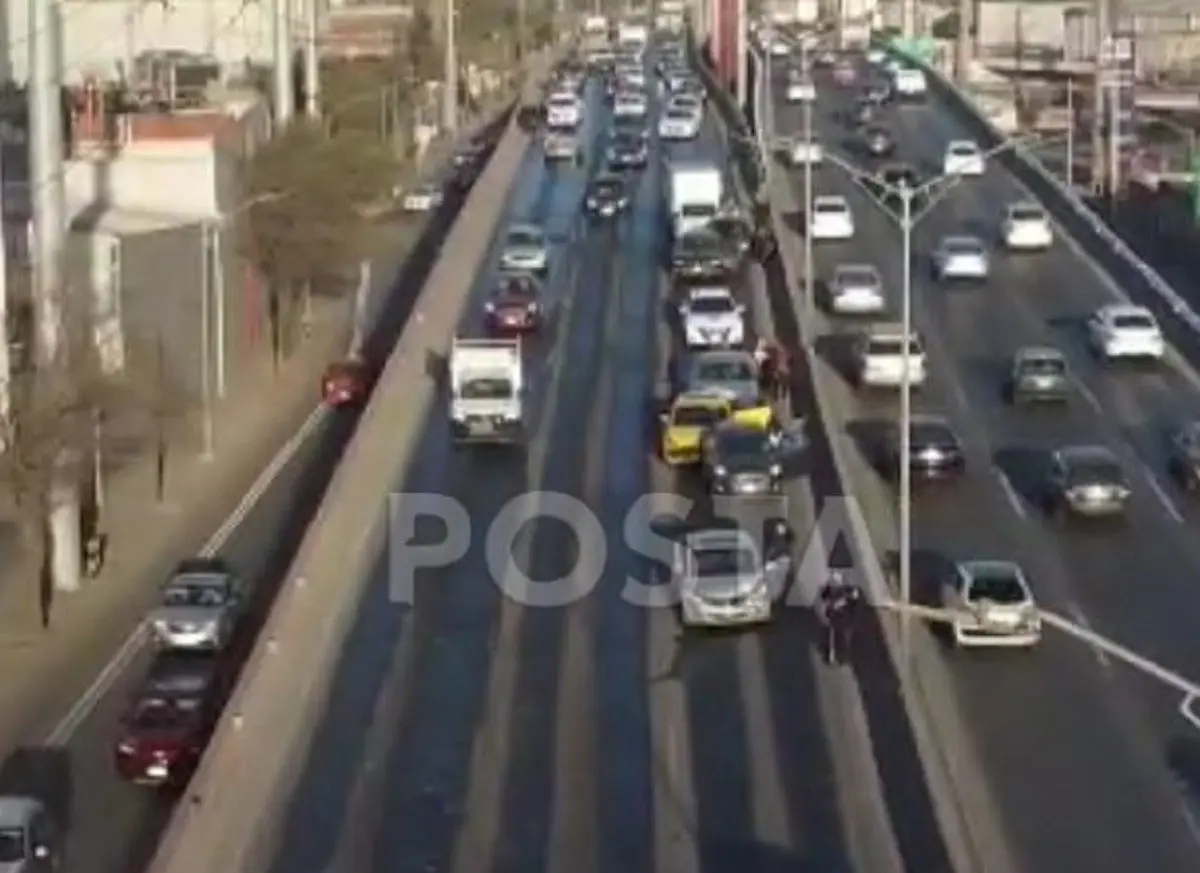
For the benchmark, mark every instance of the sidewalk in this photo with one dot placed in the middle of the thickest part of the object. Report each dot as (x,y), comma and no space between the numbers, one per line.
(42,673)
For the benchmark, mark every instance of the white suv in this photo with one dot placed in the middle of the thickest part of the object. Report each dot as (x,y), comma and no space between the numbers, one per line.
(963,158)
(880,358)
(831,218)
(1122,331)
(712,318)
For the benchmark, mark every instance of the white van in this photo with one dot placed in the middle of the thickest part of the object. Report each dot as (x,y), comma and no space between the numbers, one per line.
(909,84)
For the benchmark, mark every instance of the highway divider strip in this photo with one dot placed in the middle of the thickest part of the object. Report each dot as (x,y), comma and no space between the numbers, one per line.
(951,769)
(233,814)
(1137,279)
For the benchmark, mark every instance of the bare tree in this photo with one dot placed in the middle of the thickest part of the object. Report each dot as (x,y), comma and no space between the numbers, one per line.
(52,433)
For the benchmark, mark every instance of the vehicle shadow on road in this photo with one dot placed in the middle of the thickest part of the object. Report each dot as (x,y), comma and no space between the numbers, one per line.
(837,350)
(1026,470)
(870,436)
(43,773)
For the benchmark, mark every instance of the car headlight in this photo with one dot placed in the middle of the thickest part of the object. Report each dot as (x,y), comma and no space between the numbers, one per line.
(532,307)
(720,471)
(775,469)
(127,747)
(489,307)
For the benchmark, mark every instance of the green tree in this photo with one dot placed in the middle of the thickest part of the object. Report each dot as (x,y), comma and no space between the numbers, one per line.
(309,200)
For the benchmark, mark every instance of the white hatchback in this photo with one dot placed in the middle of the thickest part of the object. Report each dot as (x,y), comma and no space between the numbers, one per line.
(1027,228)
(881,357)
(856,289)
(992,606)
(831,218)
(1125,331)
(963,158)
(960,257)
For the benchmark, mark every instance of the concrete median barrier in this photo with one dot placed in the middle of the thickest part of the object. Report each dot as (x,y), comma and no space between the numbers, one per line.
(231,818)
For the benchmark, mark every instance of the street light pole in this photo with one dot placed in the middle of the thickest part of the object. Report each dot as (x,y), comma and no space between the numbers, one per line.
(809,279)
(905,513)
(1070,134)
(450,74)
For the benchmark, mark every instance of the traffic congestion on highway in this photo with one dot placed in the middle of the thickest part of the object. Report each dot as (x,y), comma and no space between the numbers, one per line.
(631,347)
(1053,432)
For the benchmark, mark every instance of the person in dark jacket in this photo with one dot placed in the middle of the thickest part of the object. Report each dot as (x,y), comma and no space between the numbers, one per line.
(838,605)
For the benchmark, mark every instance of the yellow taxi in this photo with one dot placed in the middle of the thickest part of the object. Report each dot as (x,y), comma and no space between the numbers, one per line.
(759,415)
(684,425)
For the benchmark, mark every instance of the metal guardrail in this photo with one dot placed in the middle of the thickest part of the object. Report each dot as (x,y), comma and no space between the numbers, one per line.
(1139,280)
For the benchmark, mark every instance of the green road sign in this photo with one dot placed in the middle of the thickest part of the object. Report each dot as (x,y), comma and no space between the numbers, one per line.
(922,49)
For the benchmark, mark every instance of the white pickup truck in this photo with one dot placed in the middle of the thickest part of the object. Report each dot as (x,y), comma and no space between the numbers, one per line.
(486,390)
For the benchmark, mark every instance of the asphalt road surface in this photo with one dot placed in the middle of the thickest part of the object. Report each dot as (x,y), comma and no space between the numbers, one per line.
(1088,761)
(111,826)
(471,733)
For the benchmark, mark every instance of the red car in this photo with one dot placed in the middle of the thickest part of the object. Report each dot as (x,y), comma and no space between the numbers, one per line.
(346,383)
(515,306)
(167,727)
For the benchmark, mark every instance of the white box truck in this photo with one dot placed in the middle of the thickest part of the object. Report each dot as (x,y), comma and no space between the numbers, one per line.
(486,391)
(695,192)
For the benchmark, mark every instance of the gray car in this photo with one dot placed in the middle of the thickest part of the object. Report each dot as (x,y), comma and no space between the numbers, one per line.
(199,608)
(729,372)
(1038,374)
(1087,481)
(722,579)
(29,839)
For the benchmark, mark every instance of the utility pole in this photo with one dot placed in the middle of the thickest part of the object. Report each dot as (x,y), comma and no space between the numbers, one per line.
(962,40)
(49,218)
(450,74)
(312,60)
(285,94)
(743,62)
(1103,42)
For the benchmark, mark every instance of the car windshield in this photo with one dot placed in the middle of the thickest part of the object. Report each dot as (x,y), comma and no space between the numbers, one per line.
(208,592)
(697,416)
(607,188)
(724,562)
(927,433)
(829,206)
(963,149)
(999,585)
(487,388)
(743,443)
(563,102)
(1133,322)
(725,371)
(12,845)
(1046,366)
(891,346)
(516,288)
(696,210)
(858,277)
(710,304)
(1027,213)
(877,134)
(1097,470)
(900,178)
(679,113)
(524,238)
(164,713)
(631,99)
(962,246)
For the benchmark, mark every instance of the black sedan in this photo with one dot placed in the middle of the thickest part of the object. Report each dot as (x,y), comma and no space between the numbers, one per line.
(703,255)
(606,196)
(877,142)
(742,460)
(627,152)
(934,451)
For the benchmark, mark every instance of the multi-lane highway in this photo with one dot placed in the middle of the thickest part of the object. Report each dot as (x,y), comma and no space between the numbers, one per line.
(1078,752)
(468,732)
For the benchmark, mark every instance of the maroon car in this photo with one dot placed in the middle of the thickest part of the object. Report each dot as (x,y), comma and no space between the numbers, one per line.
(515,306)
(346,383)
(169,721)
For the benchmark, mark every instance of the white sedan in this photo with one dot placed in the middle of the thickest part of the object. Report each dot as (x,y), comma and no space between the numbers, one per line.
(629,104)
(960,257)
(856,289)
(1124,331)
(804,151)
(991,606)
(831,218)
(801,91)
(679,124)
(963,158)
(1027,228)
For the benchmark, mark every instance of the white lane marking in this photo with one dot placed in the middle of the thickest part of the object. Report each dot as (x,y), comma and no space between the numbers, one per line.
(1076,613)
(1189,819)
(1010,493)
(1089,396)
(129,649)
(1161,493)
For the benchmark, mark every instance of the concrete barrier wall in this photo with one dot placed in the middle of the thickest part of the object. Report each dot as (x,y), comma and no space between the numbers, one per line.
(232,816)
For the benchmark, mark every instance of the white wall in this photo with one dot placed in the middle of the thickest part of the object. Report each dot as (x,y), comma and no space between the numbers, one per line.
(176,178)
(98,35)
